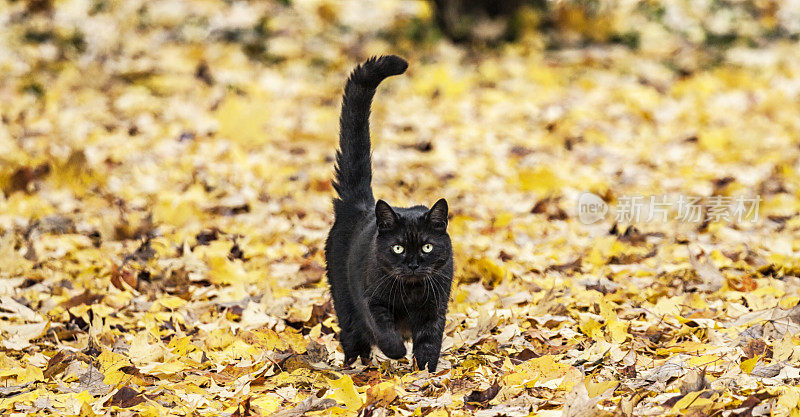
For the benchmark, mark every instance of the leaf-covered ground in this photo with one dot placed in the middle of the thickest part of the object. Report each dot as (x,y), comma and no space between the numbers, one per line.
(165,171)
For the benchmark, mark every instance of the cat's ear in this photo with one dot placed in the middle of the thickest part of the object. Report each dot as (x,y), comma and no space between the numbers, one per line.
(385,216)
(437,215)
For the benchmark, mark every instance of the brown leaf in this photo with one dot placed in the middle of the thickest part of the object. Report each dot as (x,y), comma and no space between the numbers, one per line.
(230,209)
(23,177)
(85,297)
(308,405)
(755,347)
(312,273)
(125,397)
(748,406)
(316,352)
(207,236)
(569,267)
(134,372)
(525,355)
(482,398)
(629,371)
(549,207)
(124,275)
(58,363)
(746,284)
(229,374)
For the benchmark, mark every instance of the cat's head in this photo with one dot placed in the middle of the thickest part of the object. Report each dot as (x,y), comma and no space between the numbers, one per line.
(412,243)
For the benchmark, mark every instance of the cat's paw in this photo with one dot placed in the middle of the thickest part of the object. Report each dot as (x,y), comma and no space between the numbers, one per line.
(393,347)
(349,361)
(366,360)
(426,361)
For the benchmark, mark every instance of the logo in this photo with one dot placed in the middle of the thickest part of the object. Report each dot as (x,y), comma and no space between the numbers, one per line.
(591,208)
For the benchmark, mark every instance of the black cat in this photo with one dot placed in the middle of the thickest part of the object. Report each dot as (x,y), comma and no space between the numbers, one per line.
(390,269)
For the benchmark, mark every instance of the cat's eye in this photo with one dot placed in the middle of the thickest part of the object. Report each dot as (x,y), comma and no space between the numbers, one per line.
(397,249)
(427,248)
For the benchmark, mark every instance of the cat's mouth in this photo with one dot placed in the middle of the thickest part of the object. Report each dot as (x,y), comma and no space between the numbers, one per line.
(413,277)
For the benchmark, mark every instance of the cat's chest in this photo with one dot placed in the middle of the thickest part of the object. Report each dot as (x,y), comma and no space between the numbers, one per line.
(402,326)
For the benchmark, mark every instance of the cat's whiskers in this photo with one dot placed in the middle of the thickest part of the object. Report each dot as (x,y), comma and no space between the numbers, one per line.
(440,292)
(381,281)
(440,284)
(403,297)
(425,281)
(428,283)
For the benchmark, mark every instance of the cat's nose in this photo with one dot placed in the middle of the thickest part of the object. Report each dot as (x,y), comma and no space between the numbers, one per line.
(413,266)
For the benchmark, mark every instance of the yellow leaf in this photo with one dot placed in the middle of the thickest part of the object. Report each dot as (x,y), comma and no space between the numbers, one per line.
(784,348)
(110,364)
(298,376)
(382,394)
(543,75)
(789,302)
(543,368)
(503,219)
(668,306)
(171,367)
(267,404)
(242,120)
(215,249)
(607,311)
(181,345)
(178,210)
(439,412)
(687,401)
(486,270)
(747,365)
(597,388)
(300,313)
(86,410)
(30,374)
(788,402)
(541,180)
(296,340)
(592,328)
(219,339)
(345,392)
(143,352)
(223,271)
(272,340)
(716,140)
(439,78)
(171,302)
(618,331)
(704,360)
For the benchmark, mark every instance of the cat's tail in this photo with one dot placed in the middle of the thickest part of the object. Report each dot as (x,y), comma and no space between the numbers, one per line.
(353,180)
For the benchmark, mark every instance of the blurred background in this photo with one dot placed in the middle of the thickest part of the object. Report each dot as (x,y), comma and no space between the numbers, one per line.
(182,151)
(137,119)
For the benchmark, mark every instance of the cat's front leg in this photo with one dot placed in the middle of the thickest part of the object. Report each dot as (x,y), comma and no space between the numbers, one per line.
(387,338)
(426,334)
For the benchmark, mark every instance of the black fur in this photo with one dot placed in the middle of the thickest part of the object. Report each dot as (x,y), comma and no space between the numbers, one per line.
(380,296)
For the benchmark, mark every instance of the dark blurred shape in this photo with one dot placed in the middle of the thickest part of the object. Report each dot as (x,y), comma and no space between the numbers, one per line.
(24,177)
(477,20)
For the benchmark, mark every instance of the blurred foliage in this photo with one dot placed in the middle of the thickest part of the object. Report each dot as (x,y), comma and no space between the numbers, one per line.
(671,30)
